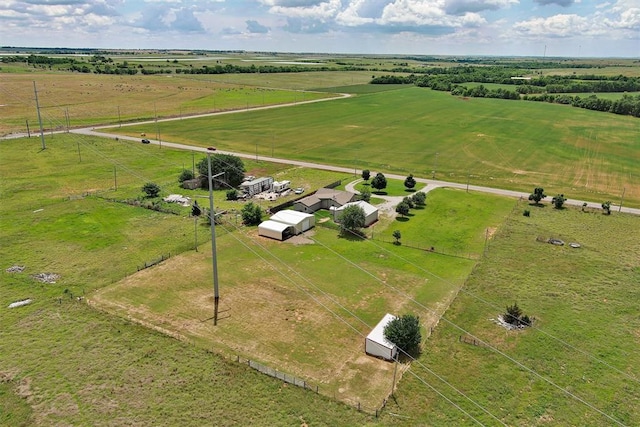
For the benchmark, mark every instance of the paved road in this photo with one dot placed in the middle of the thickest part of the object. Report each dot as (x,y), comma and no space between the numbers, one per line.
(430,184)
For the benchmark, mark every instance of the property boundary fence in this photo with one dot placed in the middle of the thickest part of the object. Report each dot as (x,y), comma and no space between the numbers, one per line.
(154,262)
(291,379)
(470,340)
(428,248)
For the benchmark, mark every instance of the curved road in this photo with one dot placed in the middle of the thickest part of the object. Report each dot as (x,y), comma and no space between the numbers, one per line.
(430,184)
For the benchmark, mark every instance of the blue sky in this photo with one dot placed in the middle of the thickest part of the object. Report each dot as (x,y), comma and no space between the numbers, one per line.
(576,28)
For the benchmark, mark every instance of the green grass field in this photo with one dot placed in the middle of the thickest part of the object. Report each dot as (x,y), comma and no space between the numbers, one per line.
(507,144)
(159,361)
(585,335)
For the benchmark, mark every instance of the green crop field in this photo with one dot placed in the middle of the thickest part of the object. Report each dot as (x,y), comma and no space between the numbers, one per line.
(506,144)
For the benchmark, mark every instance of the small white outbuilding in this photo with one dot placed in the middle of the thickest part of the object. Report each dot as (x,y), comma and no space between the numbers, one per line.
(275,230)
(377,345)
(300,221)
(370,211)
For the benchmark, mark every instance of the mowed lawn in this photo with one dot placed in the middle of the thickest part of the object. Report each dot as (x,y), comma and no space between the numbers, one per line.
(507,144)
(578,365)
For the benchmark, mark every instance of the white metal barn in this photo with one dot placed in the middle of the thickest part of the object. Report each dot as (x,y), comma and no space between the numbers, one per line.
(275,230)
(300,221)
(377,345)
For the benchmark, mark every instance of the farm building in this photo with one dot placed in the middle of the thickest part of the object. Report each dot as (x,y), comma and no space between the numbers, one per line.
(370,212)
(300,221)
(377,345)
(324,198)
(275,230)
(257,185)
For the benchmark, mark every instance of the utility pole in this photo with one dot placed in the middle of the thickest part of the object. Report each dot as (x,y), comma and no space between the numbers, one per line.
(435,166)
(622,198)
(115,179)
(39,117)
(66,116)
(28,131)
(395,369)
(214,259)
(79,155)
(119,120)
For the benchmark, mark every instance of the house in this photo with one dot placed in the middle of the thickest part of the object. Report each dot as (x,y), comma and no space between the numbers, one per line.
(275,230)
(300,221)
(324,198)
(377,345)
(370,212)
(257,185)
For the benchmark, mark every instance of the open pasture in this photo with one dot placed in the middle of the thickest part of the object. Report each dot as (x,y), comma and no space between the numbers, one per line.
(506,144)
(90,99)
(584,338)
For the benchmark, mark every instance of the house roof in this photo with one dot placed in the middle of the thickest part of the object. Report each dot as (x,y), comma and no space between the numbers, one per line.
(377,334)
(341,197)
(309,200)
(366,207)
(256,181)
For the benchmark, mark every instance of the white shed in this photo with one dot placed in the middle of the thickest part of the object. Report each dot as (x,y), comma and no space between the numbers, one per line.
(300,221)
(370,212)
(275,230)
(377,345)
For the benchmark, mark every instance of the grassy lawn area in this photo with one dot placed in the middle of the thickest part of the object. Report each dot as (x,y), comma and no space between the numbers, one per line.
(278,293)
(584,339)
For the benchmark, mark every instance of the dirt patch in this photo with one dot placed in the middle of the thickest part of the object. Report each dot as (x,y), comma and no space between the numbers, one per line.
(299,240)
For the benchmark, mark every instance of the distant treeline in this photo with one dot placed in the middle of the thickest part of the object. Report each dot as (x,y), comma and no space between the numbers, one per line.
(544,88)
(99,64)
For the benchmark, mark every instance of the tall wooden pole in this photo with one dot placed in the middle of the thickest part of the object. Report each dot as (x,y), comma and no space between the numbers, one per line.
(39,117)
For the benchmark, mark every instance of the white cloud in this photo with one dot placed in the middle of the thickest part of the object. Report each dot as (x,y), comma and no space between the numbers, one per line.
(555,26)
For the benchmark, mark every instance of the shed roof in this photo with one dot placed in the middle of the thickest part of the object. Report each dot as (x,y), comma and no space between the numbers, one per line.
(368,208)
(377,333)
(341,197)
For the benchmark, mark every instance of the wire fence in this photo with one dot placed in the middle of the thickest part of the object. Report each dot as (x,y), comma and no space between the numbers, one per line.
(315,388)
(154,262)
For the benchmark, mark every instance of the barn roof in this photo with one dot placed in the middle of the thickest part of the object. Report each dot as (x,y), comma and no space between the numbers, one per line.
(368,208)
(290,216)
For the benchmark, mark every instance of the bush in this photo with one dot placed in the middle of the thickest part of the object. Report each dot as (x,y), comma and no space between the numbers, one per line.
(186,175)
(526,212)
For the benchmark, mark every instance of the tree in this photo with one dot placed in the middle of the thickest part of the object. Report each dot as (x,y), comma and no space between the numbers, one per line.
(379,182)
(537,195)
(151,189)
(410,182)
(397,235)
(409,201)
(365,194)
(185,176)
(352,219)
(195,209)
(606,207)
(232,166)
(366,174)
(404,332)
(419,198)
(514,316)
(403,208)
(558,201)
(251,214)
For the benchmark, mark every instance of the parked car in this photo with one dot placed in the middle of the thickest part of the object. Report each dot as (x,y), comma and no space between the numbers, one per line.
(211,148)
(146,141)
(299,190)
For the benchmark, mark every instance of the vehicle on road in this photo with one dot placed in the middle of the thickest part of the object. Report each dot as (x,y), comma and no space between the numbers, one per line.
(211,148)
(146,141)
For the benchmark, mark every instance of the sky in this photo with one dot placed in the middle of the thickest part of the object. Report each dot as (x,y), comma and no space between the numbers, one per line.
(541,28)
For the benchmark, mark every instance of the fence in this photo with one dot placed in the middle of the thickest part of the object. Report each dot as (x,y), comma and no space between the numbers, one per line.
(154,262)
(470,340)
(427,248)
(291,379)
